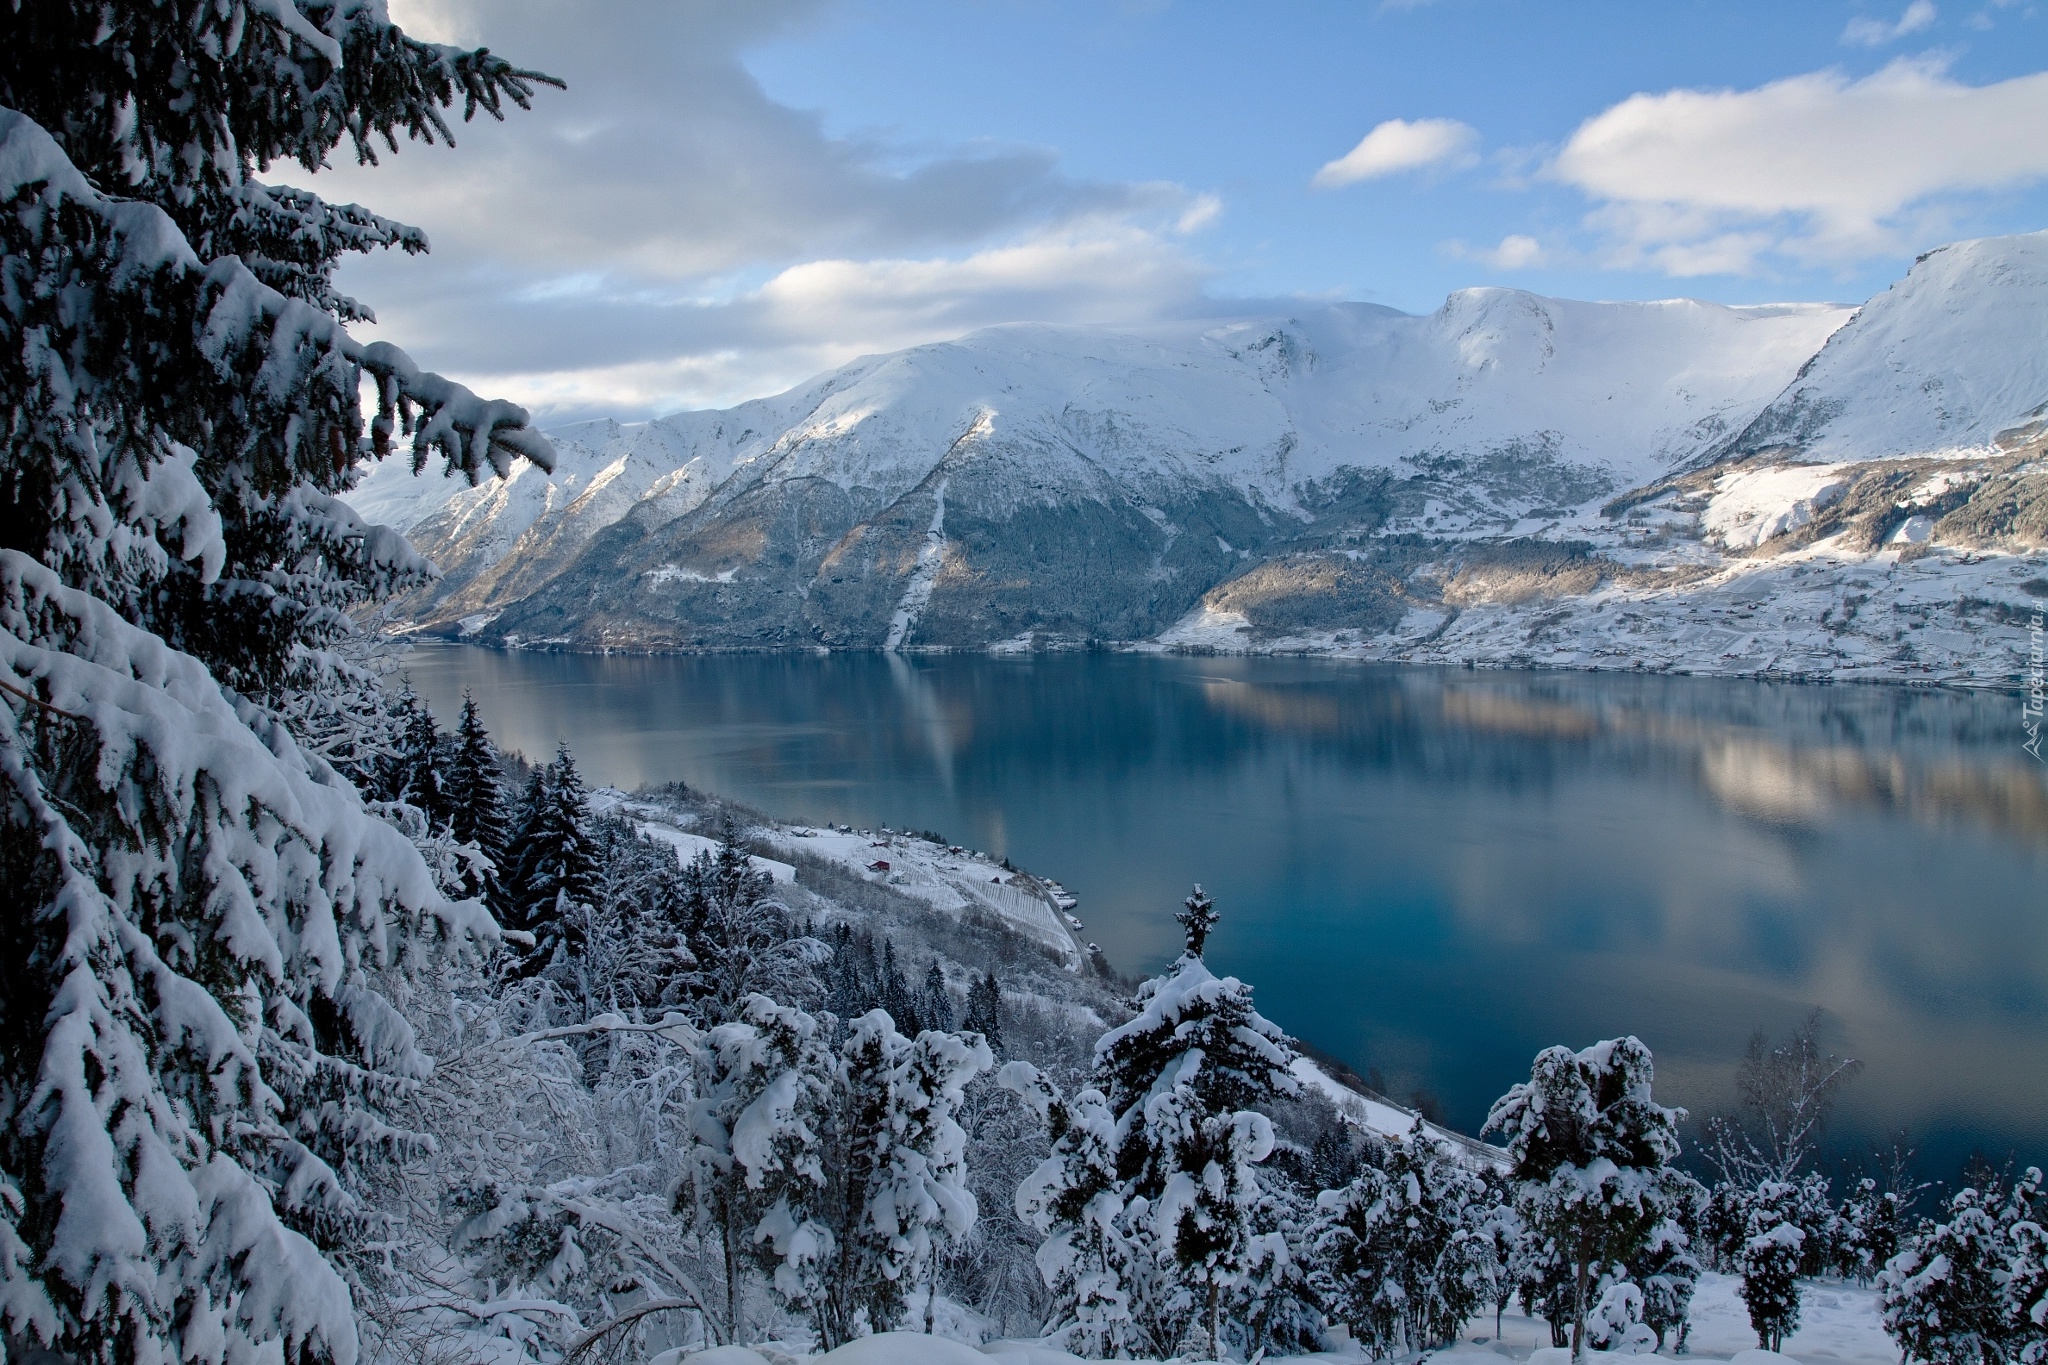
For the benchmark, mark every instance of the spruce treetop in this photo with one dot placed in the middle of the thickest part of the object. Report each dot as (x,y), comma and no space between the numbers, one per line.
(1196,917)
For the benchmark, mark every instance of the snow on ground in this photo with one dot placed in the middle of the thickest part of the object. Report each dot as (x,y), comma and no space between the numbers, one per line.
(1839,1325)
(662,826)
(1750,506)
(951,879)
(1380,1116)
(955,880)
(1818,612)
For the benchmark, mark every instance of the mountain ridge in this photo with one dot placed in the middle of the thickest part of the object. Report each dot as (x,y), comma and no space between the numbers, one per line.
(1278,482)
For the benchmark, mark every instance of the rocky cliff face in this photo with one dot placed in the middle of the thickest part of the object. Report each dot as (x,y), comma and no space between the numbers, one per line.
(1349,479)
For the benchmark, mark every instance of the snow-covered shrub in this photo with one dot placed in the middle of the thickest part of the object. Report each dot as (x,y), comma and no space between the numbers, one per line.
(1872,1222)
(852,1154)
(543,1208)
(2025,1307)
(1770,1282)
(1404,1252)
(1592,1156)
(1616,1322)
(1968,1289)
(1667,1273)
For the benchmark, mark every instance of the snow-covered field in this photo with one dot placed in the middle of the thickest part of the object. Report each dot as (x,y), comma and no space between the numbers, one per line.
(1946,616)
(954,880)
(1838,1326)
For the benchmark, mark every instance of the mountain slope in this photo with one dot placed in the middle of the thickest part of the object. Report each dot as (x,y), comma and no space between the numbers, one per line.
(1944,362)
(1084,482)
(1511,479)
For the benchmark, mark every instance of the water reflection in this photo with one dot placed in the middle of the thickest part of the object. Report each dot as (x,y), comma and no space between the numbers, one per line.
(1432,872)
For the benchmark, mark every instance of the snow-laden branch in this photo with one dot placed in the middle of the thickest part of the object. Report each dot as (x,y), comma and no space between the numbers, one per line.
(673,1026)
(239,320)
(627,1319)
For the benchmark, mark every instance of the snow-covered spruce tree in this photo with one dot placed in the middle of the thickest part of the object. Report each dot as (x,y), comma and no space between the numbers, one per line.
(414,770)
(1075,1199)
(935,1002)
(984,1013)
(1186,1080)
(1592,1155)
(1404,1250)
(193,1048)
(1966,1290)
(743,939)
(842,1164)
(554,872)
(180,110)
(479,806)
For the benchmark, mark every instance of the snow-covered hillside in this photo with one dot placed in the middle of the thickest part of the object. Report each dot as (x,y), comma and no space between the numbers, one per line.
(1349,479)
(1946,362)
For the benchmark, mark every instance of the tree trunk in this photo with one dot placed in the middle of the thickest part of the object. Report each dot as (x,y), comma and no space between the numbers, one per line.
(732,1279)
(1579,1311)
(1215,1308)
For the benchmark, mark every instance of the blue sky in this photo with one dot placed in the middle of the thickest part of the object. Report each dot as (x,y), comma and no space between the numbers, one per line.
(731,197)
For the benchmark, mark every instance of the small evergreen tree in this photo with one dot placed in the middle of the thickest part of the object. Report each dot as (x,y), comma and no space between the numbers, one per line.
(985,1011)
(477,805)
(415,770)
(556,865)
(1668,1273)
(1197,917)
(1770,1283)
(935,1003)
(1592,1156)
(1186,1079)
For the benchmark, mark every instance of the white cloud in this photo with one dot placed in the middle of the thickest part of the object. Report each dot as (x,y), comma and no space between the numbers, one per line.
(1864,31)
(1817,167)
(609,248)
(1515,252)
(1400,145)
(620,349)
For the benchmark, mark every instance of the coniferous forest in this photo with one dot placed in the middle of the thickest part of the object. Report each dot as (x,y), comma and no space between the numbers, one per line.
(330,1035)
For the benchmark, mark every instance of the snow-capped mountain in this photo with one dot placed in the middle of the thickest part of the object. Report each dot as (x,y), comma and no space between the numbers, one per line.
(1085,481)
(1945,362)
(1349,479)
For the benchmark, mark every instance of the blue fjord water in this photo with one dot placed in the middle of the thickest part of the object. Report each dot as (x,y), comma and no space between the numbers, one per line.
(1431,873)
